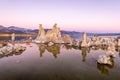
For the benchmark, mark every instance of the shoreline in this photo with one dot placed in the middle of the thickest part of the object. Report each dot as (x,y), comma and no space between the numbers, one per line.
(17,35)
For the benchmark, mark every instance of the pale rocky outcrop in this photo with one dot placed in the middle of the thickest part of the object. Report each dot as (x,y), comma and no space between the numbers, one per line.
(84,41)
(41,35)
(103,59)
(111,50)
(67,39)
(13,37)
(106,58)
(53,35)
(11,49)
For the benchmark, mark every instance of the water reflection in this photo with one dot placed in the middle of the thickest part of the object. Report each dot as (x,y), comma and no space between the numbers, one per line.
(85,50)
(104,69)
(118,50)
(42,50)
(66,46)
(54,49)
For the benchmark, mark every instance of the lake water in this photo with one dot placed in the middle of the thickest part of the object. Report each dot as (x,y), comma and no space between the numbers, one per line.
(58,62)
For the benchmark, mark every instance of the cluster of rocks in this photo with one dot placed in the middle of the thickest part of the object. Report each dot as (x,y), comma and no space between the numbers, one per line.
(53,35)
(3,43)
(11,49)
(95,41)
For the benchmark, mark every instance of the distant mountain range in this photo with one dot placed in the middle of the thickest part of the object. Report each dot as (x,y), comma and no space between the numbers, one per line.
(13,29)
(74,34)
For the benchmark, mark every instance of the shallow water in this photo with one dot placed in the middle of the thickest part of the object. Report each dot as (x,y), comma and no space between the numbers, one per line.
(58,62)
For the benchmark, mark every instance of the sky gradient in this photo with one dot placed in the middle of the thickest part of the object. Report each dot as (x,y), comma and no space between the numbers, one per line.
(78,15)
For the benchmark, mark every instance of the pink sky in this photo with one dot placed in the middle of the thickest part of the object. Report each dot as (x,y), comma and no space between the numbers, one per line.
(78,15)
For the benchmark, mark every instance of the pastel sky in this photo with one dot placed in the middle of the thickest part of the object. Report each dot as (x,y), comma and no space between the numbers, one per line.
(78,15)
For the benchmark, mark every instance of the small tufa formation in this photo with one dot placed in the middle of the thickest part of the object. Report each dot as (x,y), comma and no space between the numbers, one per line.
(111,50)
(11,49)
(53,35)
(84,41)
(13,36)
(106,58)
(41,35)
(103,59)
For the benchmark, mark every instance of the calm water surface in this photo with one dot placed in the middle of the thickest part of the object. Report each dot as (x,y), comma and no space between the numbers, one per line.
(58,62)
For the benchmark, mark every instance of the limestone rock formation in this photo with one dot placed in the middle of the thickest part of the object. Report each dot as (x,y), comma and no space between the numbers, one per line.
(11,49)
(111,50)
(53,35)
(41,35)
(84,41)
(106,58)
(67,39)
(103,59)
(84,36)
(13,37)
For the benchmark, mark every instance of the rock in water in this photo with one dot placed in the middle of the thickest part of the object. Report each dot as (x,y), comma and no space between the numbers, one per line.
(84,41)
(84,36)
(111,50)
(11,49)
(53,35)
(13,37)
(103,59)
(41,35)
(67,39)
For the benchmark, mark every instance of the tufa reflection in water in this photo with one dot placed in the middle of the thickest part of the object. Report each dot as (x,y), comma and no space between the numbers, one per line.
(55,49)
(118,50)
(85,50)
